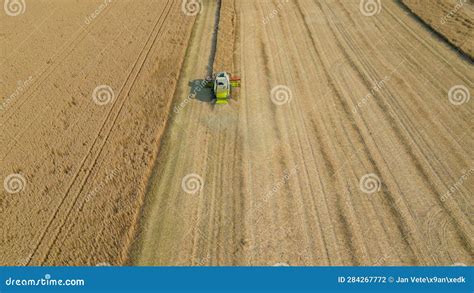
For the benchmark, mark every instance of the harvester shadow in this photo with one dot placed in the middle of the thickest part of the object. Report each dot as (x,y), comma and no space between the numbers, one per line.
(200,92)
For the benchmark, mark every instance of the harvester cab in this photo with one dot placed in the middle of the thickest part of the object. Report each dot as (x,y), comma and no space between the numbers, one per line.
(222,84)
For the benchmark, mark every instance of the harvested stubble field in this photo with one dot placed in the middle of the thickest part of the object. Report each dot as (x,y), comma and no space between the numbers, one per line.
(349,143)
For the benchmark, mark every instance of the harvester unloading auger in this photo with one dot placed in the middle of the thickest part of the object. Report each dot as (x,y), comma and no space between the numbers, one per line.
(222,84)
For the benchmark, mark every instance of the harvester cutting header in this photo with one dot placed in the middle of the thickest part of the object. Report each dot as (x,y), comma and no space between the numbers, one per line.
(222,84)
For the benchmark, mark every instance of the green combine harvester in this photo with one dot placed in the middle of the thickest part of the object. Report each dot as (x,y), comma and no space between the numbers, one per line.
(222,84)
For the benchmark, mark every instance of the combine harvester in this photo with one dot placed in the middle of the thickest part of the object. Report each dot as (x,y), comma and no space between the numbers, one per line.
(222,84)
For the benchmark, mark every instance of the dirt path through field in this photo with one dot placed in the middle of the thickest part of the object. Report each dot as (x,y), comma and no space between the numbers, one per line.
(340,148)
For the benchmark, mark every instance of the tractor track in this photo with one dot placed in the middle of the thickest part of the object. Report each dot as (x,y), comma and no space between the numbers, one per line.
(215,32)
